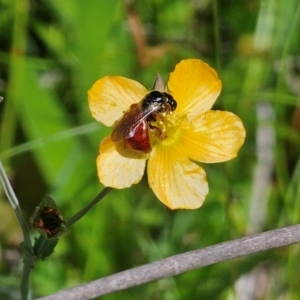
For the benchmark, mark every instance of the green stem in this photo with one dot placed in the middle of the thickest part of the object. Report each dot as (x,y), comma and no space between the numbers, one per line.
(10,194)
(89,206)
(25,282)
(27,247)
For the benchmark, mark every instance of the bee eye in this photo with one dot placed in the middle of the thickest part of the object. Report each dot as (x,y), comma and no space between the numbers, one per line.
(173,104)
(171,101)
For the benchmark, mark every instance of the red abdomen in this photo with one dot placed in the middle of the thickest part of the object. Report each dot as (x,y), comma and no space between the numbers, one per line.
(140,141)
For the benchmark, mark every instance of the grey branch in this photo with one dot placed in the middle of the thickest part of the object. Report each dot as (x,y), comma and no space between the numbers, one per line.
(181,263)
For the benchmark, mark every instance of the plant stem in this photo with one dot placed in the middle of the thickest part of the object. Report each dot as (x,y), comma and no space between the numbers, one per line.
(89,206)
(27,246)
(25,282)
(10,194)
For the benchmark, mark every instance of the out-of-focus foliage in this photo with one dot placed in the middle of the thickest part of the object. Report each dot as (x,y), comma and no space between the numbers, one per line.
(52,51)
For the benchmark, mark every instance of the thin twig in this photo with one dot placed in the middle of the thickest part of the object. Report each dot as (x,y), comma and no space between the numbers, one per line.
(181,263)
(88,207)
(27,246)
(26,282)
(10,194)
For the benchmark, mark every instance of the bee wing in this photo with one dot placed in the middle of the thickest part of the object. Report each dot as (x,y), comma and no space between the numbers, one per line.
(127,125)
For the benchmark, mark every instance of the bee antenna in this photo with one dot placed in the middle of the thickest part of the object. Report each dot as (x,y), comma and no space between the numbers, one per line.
(158,84)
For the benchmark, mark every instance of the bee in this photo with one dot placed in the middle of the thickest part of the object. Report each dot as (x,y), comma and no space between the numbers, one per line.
(133,127)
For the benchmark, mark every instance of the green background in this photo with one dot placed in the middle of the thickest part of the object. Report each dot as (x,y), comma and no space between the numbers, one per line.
(51,52)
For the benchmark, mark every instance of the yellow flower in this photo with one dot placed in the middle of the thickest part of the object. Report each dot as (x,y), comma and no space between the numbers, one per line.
(190,132)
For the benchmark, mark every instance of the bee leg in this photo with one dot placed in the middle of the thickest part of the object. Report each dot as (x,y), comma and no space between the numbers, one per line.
(154,117)
(161,135)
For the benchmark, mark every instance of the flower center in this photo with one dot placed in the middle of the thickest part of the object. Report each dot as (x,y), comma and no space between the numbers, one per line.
(163,129)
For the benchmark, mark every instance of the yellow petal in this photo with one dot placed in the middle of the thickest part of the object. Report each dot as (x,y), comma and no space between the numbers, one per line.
(118,167)
(195,86)
(176,181)
(111,96)
(215,136)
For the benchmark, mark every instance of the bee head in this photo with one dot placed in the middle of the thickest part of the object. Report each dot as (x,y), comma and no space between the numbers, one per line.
(163,101)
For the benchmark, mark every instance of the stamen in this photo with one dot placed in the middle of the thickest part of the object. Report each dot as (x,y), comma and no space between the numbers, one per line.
(163,127)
